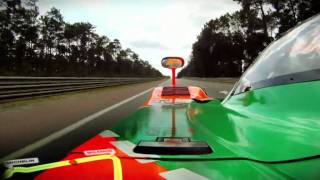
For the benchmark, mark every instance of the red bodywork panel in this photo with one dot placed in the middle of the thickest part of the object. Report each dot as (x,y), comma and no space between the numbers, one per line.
(194,93)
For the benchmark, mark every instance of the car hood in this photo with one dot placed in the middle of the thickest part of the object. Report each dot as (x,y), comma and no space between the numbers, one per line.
(270,133)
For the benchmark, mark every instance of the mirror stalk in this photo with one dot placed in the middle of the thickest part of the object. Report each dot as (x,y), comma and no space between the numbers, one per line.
(173,77)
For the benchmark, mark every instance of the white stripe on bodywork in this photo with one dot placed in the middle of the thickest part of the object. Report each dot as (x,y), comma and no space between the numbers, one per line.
(108,133)
(182,174)
(16,162)
(127,147)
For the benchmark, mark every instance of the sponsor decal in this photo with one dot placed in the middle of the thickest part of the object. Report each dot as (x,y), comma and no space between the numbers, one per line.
(15,162)
(94,152)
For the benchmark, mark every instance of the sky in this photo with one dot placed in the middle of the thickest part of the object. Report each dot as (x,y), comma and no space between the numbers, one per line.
(152,28)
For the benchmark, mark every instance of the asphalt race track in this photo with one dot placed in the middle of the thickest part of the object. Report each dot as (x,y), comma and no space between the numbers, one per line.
(57,148)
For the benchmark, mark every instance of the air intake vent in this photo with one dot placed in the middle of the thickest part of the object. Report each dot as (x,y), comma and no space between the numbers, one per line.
(175,91)
(173,146)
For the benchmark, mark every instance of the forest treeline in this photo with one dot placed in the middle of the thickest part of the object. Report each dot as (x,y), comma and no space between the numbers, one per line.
(46,45)
(227,45)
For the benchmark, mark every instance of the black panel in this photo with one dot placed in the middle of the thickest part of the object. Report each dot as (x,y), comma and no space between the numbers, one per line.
(173,146)
(175,91)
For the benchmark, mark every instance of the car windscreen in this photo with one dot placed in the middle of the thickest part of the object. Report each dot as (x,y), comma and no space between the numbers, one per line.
(293,58)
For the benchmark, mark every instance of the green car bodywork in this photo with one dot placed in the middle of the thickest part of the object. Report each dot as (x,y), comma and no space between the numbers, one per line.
(268,126)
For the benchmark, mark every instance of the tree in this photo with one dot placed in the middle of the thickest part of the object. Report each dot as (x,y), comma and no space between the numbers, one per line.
(245,33)
(47,46)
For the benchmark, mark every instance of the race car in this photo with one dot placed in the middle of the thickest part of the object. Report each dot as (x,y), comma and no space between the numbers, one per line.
(266,128)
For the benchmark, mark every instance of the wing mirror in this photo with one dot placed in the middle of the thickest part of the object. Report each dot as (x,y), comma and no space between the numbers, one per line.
(172,63)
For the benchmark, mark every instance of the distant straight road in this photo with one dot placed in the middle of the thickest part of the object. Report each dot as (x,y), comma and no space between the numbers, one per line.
(29,123)
(215,87)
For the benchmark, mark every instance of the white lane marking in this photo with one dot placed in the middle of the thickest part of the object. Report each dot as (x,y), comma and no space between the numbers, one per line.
(224,92)
(15,162)
(108,133)
(127,147)
(182,174)
(62,132)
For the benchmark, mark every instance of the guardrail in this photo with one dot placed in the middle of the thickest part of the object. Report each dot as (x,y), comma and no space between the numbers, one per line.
(12,88)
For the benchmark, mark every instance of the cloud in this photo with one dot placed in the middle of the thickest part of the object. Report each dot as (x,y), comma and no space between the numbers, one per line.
(147,44)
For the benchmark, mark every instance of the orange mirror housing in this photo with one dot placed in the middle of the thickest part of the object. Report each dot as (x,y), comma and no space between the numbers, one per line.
(172,62)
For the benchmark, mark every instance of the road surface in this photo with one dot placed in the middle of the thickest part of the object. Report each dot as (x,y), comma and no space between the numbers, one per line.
(50,128)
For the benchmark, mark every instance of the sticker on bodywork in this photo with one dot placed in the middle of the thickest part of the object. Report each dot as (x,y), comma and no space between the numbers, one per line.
(16,162)
(94,152)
